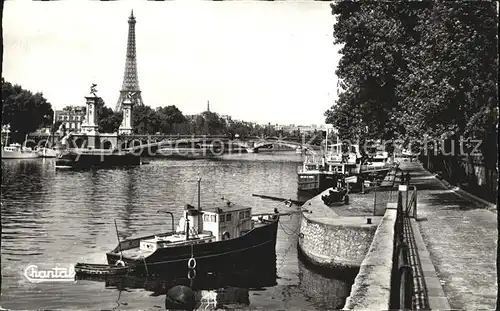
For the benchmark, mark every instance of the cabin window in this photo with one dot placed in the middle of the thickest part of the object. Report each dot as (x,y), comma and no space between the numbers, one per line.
(222,218)
(242,215)
(228,217)
(247,214)
(212,218)
(206,218)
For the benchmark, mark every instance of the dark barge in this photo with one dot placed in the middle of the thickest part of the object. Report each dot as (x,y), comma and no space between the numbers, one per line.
(216,236)
(96,158)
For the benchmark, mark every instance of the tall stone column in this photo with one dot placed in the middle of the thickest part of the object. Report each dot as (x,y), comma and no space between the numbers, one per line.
(126,126)
(89,126)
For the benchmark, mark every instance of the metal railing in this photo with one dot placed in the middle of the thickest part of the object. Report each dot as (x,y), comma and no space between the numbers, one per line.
(411,202)
(402,273)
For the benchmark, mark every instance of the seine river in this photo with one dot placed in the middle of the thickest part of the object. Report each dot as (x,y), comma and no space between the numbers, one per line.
(58,218)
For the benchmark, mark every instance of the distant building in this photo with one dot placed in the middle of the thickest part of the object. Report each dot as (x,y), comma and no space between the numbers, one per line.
(227,119)
(307,129)
(71,117)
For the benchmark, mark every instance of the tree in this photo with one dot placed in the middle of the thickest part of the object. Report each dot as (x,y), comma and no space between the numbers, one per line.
(145,120)
(23,110)
(108,121)
(375,36)
(415,68)
(452,88)
(243,129)
(213,124)
(170,118)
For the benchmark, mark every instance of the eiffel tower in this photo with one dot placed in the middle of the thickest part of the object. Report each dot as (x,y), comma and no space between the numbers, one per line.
(130,79)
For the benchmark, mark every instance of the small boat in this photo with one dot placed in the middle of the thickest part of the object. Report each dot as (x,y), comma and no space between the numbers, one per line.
(16,151)
(45,152)
(50,152)
(204,238)
(100,269)
(378,159)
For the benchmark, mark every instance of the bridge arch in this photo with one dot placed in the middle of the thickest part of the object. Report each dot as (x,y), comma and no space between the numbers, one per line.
(106,144)
(79,142)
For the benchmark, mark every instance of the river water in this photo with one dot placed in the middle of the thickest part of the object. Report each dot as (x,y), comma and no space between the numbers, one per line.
(58,218)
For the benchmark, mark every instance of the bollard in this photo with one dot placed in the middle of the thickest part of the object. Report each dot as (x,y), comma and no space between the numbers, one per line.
(180,297)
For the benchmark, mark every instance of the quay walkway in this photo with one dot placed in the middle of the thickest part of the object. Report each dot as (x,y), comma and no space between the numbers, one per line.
(460,236)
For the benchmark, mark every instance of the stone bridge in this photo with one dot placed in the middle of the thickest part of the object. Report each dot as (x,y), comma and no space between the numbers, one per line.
(149,144)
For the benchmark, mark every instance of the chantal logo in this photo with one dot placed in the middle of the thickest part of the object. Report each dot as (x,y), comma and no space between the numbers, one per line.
(34,274)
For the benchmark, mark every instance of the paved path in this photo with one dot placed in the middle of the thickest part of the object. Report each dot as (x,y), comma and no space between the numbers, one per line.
(462,240)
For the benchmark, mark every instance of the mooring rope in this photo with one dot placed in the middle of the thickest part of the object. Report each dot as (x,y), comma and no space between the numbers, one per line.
(292,231)
(283,257)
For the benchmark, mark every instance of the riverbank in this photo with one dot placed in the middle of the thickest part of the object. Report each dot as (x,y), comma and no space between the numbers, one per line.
(461,237)
(331,240)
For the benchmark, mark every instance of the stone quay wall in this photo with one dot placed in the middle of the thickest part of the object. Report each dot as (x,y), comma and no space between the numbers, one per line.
(372,287)
(335,245)
(330,241)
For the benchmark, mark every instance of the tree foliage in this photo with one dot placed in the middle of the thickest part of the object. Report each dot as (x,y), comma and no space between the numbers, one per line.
(416,68)
(108,121)
(170,120)
(144,120)
(24,111)
(170,117)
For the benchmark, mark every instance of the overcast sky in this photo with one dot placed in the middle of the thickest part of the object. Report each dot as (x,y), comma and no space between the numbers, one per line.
(256,61)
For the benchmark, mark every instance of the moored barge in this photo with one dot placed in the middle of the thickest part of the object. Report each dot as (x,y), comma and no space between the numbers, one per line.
(96,158)
(222,234)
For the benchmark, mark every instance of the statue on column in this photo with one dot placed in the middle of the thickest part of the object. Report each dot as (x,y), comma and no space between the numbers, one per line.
(131,96)
(93,89)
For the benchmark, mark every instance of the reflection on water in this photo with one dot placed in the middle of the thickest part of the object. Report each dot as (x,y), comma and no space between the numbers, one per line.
(218,289)
(327,289)
(54,217)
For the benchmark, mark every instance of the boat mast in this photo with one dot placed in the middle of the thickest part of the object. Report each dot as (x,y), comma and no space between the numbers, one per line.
(326,142)
(51,134)
(199,205)
(7,137)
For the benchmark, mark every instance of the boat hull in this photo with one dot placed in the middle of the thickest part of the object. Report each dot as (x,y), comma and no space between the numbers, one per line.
(316,182)
(73,160)
(19,155)
(227,253)
(48,153)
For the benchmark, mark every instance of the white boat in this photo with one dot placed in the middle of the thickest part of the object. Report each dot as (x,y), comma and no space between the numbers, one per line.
(378,158)
(318,173)
(16,151)
(46,152)
(50,152)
